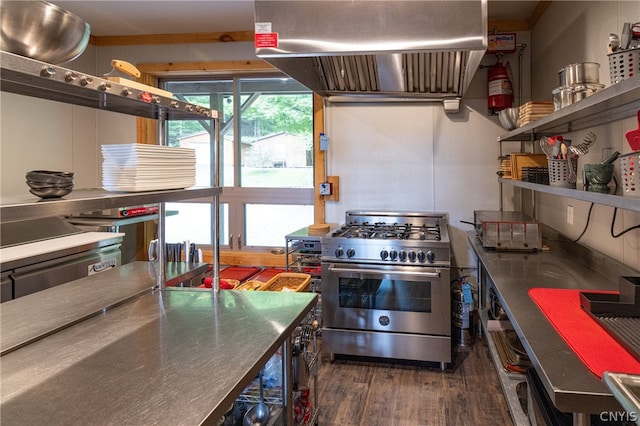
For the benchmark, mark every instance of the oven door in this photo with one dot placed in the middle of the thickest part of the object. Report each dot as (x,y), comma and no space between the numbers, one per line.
(393,298)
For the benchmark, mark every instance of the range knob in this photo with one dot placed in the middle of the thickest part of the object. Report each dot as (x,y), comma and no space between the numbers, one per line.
(412,256)
(384,254)
(104,87)
(421,256)
(85,81)
(350,253)
(402,255)
(126,92)
(431,257)
(393,255)
(339,252)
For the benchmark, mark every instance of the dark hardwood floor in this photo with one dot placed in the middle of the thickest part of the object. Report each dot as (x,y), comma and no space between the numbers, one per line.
(353,391)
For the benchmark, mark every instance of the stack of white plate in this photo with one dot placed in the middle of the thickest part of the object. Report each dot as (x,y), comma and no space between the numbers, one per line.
(140,167)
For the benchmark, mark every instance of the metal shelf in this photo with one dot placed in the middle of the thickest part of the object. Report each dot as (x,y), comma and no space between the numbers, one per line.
(26,76)
(619,201)
(83,200)
(616,102)
(508,381)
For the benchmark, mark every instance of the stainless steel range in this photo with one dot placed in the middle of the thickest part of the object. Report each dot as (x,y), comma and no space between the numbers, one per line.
(386,286)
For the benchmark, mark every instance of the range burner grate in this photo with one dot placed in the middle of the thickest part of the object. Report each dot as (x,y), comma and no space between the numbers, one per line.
(386,231)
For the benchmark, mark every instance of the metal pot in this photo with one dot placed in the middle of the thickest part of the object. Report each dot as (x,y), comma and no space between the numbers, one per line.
(580,73)
(562,97)
(583,91)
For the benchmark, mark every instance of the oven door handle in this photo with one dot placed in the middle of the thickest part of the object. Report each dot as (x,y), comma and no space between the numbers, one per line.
(378,271)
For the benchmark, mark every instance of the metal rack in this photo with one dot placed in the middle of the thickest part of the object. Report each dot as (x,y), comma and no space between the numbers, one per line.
(304,335)
(616,102)
(303,253)
(29,77)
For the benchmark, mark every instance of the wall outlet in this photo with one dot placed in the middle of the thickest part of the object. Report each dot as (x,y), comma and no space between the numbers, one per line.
(570,215)
(325,188)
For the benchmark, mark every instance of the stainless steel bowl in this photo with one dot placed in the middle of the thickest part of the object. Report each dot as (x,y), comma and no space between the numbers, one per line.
(42,31)
(509,118)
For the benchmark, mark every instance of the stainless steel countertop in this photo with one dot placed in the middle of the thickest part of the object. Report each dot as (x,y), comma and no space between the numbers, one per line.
(571,386)
(176,356)
(29,318)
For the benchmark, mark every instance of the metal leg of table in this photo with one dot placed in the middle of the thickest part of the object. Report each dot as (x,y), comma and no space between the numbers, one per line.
(287,382)
(581,419)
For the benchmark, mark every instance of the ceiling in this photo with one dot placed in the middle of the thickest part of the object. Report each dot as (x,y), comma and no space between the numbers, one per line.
(146,17)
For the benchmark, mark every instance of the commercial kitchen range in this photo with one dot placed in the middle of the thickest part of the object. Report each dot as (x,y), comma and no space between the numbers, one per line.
(386,286)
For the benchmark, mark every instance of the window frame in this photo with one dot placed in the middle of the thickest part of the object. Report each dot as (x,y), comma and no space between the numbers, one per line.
(236,196)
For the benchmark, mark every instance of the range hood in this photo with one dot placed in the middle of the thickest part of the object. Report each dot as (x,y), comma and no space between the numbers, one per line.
(357,50)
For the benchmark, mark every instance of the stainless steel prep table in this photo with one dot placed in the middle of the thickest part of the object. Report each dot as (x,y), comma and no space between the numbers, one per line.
(570,385)
(175,356)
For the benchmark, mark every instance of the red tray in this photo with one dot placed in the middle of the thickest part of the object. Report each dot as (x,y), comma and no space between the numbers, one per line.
(268,273)
(240,273)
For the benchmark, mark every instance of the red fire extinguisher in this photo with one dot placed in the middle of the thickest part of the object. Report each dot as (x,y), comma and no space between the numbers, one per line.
(500,88)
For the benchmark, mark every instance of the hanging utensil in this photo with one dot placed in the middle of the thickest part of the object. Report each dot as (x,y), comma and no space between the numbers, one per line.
(633,136)
(259,414)
(545,145)
(583,148)
(555,142)
(614,43)
(625,40)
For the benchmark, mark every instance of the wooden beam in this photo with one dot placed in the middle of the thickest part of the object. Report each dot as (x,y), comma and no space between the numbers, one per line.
(160,69)
(319,158)
(538,12)
(183,38)
(497,26)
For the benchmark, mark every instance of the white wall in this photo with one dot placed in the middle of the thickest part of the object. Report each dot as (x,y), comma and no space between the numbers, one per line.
(38,134)
(413,157)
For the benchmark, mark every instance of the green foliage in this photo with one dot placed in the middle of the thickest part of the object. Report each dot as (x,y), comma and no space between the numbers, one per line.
(267,115)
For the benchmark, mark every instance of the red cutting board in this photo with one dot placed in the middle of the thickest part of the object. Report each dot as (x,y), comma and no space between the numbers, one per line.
(268,273)
(633,136)
(240,273)
(595,347)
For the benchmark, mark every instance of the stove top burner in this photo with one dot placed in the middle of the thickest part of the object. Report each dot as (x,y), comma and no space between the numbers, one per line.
(386,231)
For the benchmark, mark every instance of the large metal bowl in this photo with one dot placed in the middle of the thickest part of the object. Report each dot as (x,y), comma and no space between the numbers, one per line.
(42,31)
(509,118)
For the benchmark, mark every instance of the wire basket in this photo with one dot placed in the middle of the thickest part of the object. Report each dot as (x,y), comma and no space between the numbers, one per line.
(560,174)
(624,64)
(630,174)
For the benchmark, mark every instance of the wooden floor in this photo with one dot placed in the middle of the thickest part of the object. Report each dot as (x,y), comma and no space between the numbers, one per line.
(404,393)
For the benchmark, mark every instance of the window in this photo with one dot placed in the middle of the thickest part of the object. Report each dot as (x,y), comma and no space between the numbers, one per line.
(266,154)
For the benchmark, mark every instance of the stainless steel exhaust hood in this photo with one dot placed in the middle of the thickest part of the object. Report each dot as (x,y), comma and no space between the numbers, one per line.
(355,50)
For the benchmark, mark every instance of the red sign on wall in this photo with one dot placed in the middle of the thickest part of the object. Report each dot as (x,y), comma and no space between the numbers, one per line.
(266,40)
